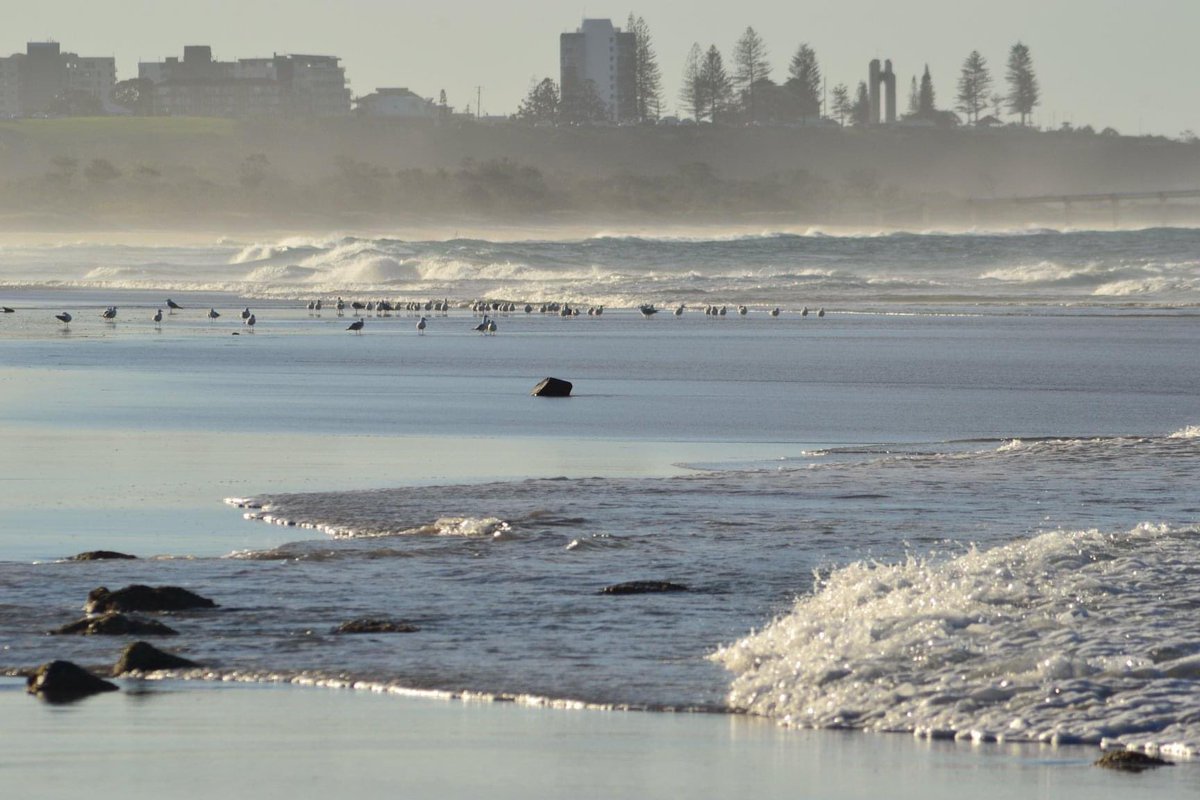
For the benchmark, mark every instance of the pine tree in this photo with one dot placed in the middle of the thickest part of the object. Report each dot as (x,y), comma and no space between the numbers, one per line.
(861,111)
(805,81)
(647,76)
(841,103)
(692,94)
(973,85)
(914,98)
(750,66)
(926,104)
(1023,91)
(715,84)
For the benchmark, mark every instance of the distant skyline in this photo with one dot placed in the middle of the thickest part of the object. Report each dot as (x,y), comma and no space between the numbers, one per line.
(1100,62)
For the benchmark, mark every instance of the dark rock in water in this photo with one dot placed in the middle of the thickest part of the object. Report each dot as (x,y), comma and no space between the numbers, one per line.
(643,587)
(375,626)
(116,624)
(144,598)
(101,555)
(1130,761)
(61,681)
(145,657)
(552,387)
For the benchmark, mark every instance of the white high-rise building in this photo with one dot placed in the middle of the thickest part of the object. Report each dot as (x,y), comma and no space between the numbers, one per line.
(604,56)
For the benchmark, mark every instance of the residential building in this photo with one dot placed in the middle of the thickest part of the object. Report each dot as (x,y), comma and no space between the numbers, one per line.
(30,82)
(604,56)
(398,104)
(288,85)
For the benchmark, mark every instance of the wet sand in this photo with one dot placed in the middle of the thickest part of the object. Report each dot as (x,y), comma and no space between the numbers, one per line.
(193,740)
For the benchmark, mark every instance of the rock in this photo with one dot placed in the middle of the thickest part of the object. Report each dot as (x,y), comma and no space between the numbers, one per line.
(643,587)
(101,555)
(116,624)
(62,681)
(145,657)
(1130,761)
(552,387)
(144,598)
(375,626)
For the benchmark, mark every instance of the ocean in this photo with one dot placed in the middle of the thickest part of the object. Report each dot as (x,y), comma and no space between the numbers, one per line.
(949,490)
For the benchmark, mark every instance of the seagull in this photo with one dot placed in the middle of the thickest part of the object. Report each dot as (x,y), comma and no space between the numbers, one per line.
(775,312)
(250,321)
(648,310)
(109,313)
(246,312)
(357,326)
(820,312)
(212,314)
(804,311)
(7,310)
(483,326)
(173,306)
(679,311)
(158,317)
(491,327)
(421,327)
(317,305)
(64,317)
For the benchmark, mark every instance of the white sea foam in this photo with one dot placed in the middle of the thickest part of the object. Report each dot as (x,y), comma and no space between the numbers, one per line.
(1083,636)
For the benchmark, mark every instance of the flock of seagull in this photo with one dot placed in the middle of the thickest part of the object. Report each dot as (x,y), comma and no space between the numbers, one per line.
(488,308)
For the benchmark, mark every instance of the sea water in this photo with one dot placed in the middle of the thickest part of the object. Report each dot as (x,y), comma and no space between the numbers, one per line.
(961,503)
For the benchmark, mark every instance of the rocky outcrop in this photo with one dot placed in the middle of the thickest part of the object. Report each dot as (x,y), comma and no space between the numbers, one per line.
(62,681)
(376,626)
(643,587)
(1130,761)
(101,555)
(144,598)
(145,657)
(116,624)
(553,387)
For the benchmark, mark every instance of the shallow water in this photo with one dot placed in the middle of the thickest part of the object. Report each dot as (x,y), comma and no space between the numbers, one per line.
(757,460)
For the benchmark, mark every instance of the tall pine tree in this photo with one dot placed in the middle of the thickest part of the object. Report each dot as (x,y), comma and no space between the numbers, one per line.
(861,111)
(841,103)
(646,74)
(804,81)
(1023,90)
(750,66)
(926,102)
(692,93)
(715,84)
(973,84)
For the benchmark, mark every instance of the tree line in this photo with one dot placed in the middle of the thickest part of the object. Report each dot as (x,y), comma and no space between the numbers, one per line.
(745,93)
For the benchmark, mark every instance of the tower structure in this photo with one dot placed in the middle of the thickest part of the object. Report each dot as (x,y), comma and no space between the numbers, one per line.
(886,79)
(599,59)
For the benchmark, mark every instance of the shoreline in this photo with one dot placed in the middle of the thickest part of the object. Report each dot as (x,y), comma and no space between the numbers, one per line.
(204,740)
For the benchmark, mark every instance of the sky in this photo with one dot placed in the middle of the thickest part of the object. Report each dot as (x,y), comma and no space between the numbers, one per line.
(1101,62)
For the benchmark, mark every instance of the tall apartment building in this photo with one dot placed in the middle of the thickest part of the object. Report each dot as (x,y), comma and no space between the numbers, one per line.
(31,81)
(290,85)
(605,56)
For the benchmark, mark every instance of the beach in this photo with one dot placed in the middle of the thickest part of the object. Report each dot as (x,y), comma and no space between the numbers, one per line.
(921,426)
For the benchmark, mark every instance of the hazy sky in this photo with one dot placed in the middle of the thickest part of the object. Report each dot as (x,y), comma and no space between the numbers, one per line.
(1127,64)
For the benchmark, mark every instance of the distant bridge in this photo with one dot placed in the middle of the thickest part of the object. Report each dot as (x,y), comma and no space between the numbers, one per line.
(1067,200)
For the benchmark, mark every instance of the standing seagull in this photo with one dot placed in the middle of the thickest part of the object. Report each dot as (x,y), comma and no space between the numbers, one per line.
(173,306)
(64,318)
(483,326)
(491,327)
(246,313)
(357,326)
(775,312)
(212,314)
(158,317)
(109,313)
(820,312)
(421,327)
(250,321)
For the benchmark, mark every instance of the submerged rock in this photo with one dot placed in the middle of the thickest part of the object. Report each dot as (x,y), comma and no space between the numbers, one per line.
(116,624)
(643,587)
(62,681)
(1130,761)
(375,626)
(145,657)
(553,387)
(144,598)
(101,555)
